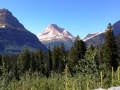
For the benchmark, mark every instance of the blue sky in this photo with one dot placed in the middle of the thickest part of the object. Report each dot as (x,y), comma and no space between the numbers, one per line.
(79,17)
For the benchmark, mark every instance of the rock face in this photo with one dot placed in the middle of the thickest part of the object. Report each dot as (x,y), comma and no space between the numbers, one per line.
(14,38)
(118,41)
(98,38)
(95,39)
(116,27)
(54,35)
(8,20)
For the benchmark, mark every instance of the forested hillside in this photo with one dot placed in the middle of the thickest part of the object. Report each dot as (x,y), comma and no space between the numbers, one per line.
(81,68)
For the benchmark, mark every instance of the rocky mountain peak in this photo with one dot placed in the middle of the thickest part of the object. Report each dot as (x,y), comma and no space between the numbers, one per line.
(54,35)
(14,38)
(53,32)
(5,11)
(7,20)
(54,27)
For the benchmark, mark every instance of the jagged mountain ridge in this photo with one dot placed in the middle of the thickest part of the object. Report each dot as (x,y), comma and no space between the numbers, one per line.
(54,35)
(98,38)
(8,20)
(89,36)
(14,38)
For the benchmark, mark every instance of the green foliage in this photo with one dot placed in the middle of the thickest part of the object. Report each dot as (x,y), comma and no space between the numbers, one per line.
(48,63)
(49,59)
(0,65)
(32,63)
(77,53)
(24,61)
(110,54)
(55,58)
(39,60)
(100,55)
(62,56)
(61,81)
(88,65)
(46,70)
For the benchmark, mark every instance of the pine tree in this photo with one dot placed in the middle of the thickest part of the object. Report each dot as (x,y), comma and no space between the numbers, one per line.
(55,58)
(82,49)
(3,66)
(39,61)
(49,59)
(100,55)
(77,52)
(48,63)
(62,58)
(24,61)
(32,63)
(74,54)
(16,73)
(88,65)
(110,54)
(91,47)
(62,48)
(0,65)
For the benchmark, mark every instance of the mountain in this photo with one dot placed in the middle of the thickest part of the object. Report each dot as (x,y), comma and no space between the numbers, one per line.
(14,38)
(116,27)
(95,39)
(118,41)
(54,35)
(98,38)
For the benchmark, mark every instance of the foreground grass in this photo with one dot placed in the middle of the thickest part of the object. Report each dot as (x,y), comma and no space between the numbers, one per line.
(62,81)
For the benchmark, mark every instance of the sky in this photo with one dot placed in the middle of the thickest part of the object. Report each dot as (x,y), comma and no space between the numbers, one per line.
(79,17)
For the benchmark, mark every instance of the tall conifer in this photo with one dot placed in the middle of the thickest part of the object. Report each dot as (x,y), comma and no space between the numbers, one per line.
(110,54)
(55,58)
(39,60)
(77,52)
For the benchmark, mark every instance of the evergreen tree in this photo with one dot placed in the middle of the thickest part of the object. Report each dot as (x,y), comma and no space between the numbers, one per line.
(100,55)
(32,63)
(16,73)
(20,63)
(74,54)
(62,56)
(110,54)
(82,49)
(39,61)
(3,65)
(62,48)
(91,47)
(55,58)
(24,61)
(77,52)
(48,63)
(88,65)
(0,65)
(50,58)
(26,58)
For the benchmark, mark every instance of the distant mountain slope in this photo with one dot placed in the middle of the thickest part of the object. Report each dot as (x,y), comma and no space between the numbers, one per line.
(8,20)
(14,38)
(98,38)
(90,36)
(118,40)
(116,27)
(54,35)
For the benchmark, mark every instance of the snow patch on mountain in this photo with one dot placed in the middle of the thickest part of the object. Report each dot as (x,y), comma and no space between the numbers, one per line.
(53,32)
(89,36)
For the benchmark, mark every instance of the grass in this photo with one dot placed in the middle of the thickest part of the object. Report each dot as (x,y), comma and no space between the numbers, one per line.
(62,81)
